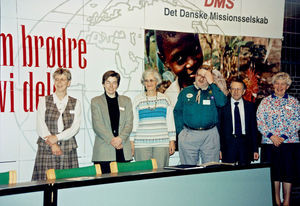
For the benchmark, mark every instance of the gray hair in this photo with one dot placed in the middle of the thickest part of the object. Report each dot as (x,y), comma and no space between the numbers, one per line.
(155,74)
(283,76)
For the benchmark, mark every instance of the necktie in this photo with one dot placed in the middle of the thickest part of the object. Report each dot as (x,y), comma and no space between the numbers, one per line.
(237,120)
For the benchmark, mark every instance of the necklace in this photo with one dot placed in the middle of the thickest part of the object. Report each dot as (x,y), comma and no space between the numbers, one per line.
(151,108)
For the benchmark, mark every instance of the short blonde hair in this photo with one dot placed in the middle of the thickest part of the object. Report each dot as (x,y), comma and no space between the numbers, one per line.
(61,71)
(155,74)
(283,76)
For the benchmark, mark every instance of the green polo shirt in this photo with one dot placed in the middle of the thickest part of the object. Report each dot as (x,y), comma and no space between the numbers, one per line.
(204,114)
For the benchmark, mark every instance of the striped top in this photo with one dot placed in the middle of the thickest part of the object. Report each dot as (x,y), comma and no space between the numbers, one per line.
(153,124)
(279,116)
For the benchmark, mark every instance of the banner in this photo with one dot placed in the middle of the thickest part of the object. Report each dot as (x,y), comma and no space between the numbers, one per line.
(225,17)
(89,38)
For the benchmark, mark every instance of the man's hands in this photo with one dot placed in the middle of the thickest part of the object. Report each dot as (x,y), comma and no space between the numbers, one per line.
(209,77)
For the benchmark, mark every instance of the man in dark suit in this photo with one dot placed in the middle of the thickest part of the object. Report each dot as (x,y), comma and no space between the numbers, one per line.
(238,129)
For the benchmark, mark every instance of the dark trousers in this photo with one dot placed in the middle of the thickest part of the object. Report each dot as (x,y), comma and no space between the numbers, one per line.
(236,150)
(105,165)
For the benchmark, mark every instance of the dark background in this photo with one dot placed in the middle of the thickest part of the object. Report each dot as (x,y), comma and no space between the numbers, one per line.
(290,54)
(290,63)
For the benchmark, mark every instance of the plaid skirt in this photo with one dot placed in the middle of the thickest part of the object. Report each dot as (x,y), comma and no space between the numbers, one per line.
(46,160)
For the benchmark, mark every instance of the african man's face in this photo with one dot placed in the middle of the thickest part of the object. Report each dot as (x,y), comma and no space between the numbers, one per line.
(183,55)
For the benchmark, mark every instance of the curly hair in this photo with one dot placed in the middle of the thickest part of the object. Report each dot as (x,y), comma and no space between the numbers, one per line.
(283,76)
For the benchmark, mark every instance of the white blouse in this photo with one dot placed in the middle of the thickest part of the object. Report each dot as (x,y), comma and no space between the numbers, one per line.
(41,126)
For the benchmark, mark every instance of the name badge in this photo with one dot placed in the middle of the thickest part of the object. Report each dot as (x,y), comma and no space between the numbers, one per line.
(72,112)
(122,109)
(206,102)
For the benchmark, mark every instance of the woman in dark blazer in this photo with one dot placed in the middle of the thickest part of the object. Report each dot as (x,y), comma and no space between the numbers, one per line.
(112,119)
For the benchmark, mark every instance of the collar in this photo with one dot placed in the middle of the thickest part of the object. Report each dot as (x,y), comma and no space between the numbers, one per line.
(109,96)
(198,88)
(57,100)
(284,96)
(233,100)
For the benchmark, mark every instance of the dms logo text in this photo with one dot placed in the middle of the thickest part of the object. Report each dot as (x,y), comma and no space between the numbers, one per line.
(229,4)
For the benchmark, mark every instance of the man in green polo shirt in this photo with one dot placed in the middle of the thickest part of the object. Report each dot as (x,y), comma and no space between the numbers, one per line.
(196,117)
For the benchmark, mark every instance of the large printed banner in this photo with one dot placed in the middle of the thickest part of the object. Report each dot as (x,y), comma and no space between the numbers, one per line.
(226,17)
(90,37)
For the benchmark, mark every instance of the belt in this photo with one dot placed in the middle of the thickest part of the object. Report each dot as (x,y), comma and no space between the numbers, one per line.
(200,128)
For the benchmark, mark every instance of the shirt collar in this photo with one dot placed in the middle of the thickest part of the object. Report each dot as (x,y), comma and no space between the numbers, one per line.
(233,100)
(57,100)
(198,88)
(284,96)
(110,97)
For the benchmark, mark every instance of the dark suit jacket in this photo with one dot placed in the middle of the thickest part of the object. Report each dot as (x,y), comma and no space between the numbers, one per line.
(226,128)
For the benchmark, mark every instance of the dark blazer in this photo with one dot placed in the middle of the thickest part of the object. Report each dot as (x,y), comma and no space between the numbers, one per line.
(226,128)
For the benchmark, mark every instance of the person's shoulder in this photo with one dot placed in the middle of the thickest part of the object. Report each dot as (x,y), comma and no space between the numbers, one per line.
(139,97)
(246,102)
(48,96)
(161,95)
(97,98)
(293,101)
(165,97)
(188,89)
(292,98)
(266,99)
(124,98)
(73,98)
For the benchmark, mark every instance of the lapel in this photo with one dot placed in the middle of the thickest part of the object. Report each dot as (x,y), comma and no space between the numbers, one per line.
(122,111)
(104,109)
(247,115)
(228,111)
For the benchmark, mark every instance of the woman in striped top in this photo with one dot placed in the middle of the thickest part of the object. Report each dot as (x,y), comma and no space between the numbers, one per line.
(153,133)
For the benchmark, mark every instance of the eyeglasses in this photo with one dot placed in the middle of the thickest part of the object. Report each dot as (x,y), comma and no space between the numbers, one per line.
(149,80)
(60,79)
(236,89)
